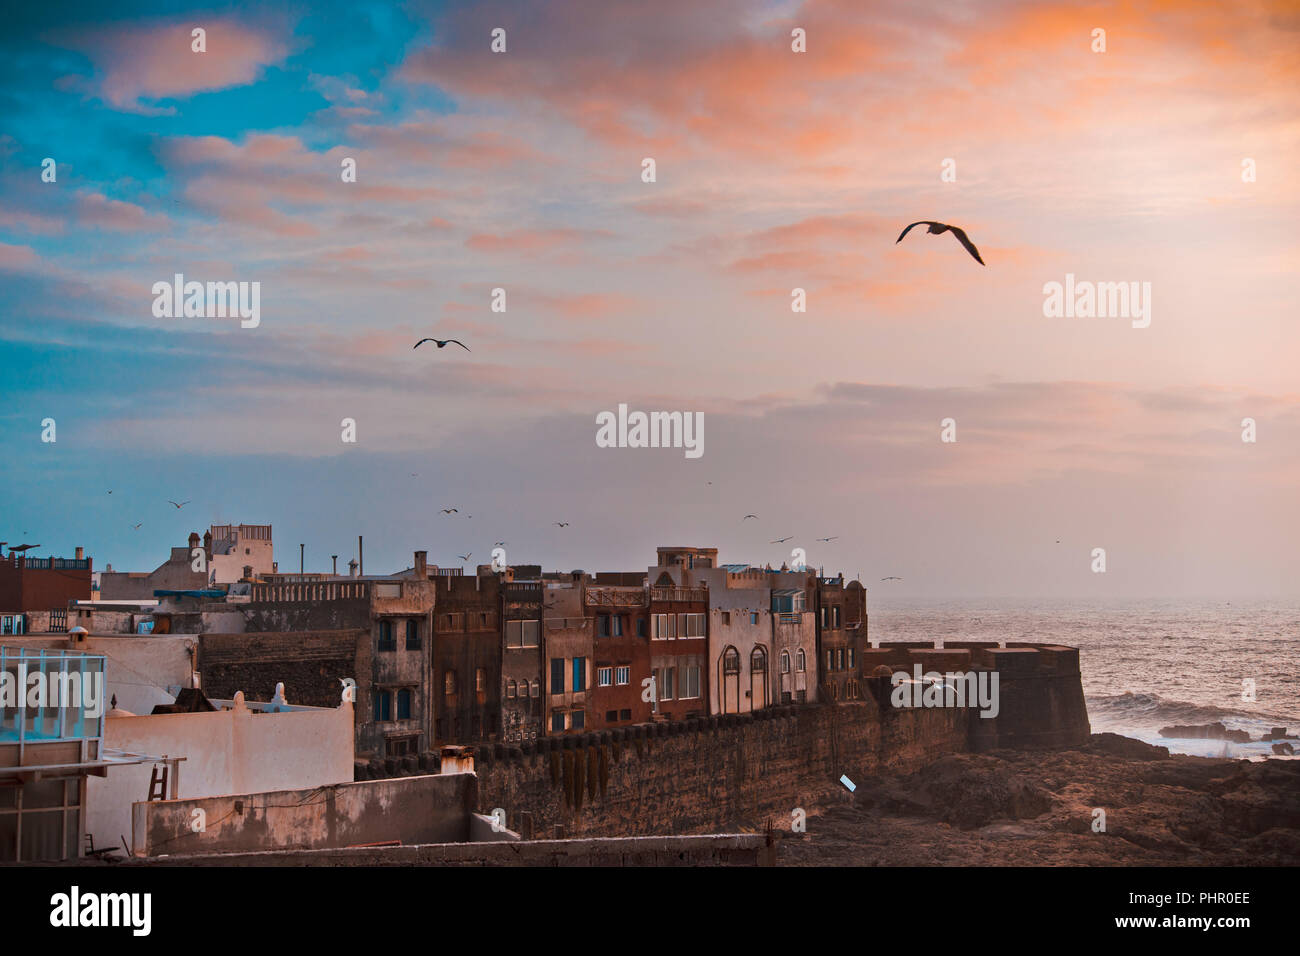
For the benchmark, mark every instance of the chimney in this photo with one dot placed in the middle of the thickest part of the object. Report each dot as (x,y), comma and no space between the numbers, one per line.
(207,541)
(194,540)
(81,553)
(421,564)
(352,568)
(361,557)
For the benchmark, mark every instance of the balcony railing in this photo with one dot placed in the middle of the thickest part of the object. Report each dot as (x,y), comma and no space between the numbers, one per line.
(312,591)
(618,597)
(679,594)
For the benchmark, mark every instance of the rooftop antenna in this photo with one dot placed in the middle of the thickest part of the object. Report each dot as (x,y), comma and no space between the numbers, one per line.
(335,559)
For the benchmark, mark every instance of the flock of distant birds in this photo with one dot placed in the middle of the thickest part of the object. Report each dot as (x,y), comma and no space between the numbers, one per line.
(933,228)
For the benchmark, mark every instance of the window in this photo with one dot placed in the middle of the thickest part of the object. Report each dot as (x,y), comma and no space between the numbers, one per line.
(622,674)
(663,627)
(557,675)
(758,660)
(835,616)
(557,722)
(483,619)
(535,689)
(625,714)
(824,616)
(852,658)
(664,682)
(522,633)
(453,622)
(511,687)
(785,662)
(726,617)
(404,704)
(578,720)
(383,705)
(830,660)
(690,682)
(753,618)
(691,625)
(579,674)
(602,625)
(412,635)
(386,640)
(611,716)
(731,661)
(480,680)
(800,661)
(839,658)
(616,625)
(640,627)
(604,676)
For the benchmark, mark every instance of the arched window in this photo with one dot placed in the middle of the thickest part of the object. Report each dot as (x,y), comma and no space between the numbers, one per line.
(800,661)
(785,662)
(511,688)
(535,689)
(758,660)
(731,661)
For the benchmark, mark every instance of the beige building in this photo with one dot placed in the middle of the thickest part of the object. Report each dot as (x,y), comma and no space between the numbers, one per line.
(235,547)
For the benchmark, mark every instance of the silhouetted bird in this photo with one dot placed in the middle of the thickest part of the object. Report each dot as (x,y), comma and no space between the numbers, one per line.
(181,505)
(442,343)
(562,524)
(938,229)
(464,557)
(782,540)
(747,517)
(891,578)
(448,511)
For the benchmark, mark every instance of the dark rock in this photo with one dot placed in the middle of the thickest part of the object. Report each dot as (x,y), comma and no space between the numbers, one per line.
(1214,731)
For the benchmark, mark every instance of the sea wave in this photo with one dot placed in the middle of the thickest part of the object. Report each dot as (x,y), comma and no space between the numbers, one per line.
(1153,710)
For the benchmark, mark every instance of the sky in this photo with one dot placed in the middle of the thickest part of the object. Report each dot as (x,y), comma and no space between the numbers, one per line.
(1167,158)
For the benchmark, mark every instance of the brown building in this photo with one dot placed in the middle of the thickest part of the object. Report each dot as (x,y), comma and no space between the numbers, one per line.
(467,655)
(521,655)
(839,646)
(567,645)
(679,645)
(41,584)
(620,625)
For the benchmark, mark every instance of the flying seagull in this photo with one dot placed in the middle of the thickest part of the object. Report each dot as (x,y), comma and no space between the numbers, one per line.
(782,540)
(938,229)
(136,527)
(181,505)
(500,544)
(891,578)
(464,557)
(562,524)
(747,517)
(831,538)
(448,511)
(442,343)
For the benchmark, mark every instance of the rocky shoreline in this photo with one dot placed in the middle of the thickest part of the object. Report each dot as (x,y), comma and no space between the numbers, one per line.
(1039,808)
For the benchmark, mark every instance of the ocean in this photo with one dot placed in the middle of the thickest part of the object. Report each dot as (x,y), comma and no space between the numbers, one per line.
(1145,664)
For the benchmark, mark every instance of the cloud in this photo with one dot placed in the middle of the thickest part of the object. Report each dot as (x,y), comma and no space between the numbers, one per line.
(139,63)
